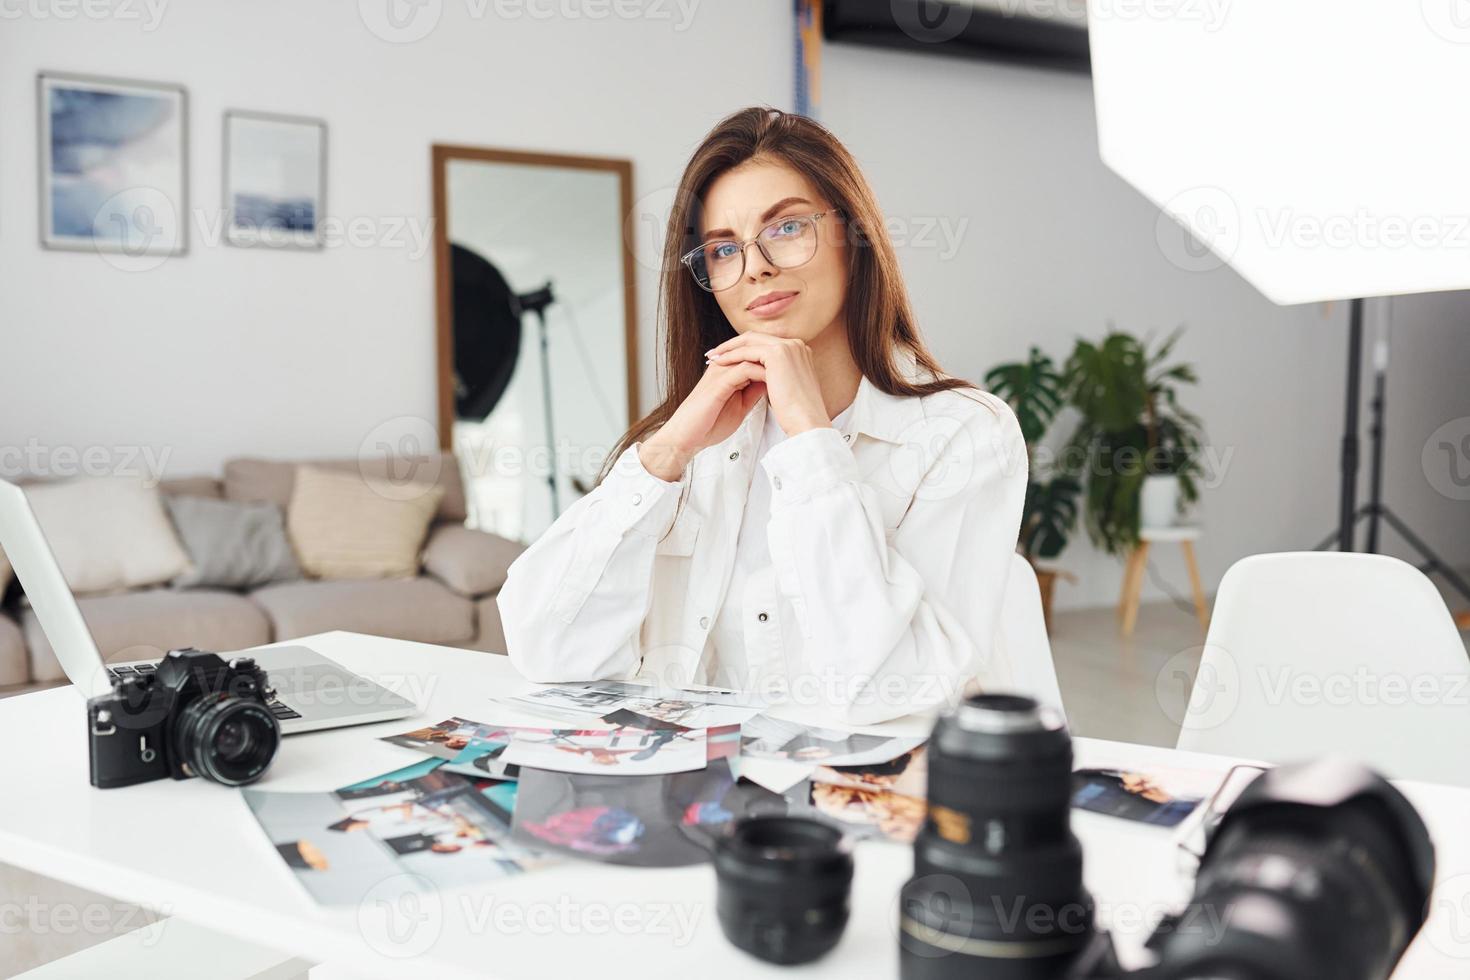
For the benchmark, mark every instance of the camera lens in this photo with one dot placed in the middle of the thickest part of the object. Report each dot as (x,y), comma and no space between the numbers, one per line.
(228,740)
(783,887)
(997,887)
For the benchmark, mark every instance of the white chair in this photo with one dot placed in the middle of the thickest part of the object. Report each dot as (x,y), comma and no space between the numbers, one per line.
(1310,653)
(1024,650)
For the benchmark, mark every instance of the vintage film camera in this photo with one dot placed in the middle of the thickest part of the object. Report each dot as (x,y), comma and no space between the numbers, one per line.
(195,714)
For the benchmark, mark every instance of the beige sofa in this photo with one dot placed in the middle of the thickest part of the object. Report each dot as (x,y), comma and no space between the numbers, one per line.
(452,602)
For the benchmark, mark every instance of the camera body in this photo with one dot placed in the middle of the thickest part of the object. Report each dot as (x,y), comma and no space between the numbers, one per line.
(196,714)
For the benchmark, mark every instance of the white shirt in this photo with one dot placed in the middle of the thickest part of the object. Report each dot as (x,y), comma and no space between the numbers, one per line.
(746,636)
(890,540)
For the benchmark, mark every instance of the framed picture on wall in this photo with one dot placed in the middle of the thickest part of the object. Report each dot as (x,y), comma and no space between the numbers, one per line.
(113,164)
(275,180)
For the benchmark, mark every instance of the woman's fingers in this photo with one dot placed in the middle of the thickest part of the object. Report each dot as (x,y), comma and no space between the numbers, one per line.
(750,338)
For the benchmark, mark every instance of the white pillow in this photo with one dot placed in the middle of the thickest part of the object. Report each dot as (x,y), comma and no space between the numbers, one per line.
(108,533)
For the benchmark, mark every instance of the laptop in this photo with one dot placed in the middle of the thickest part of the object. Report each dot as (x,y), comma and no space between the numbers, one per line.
(312,692)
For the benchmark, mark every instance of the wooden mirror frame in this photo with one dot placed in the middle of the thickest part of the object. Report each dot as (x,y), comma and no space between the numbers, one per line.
(444,287)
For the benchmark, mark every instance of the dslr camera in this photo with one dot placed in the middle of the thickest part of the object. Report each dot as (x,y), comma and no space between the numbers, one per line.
(1318,871)
(196,714)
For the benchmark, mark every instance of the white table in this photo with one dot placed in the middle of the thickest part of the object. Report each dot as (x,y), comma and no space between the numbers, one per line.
(192,849)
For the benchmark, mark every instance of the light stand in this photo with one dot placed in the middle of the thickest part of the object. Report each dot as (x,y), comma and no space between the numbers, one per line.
(1350,514)
(536,302)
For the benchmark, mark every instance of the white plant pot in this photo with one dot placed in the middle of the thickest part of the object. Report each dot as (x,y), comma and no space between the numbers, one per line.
(1158,501)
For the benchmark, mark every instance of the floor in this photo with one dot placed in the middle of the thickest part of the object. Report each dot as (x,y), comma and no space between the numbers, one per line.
(1115,688)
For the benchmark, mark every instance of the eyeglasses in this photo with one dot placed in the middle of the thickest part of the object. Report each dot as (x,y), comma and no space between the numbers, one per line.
(786,243)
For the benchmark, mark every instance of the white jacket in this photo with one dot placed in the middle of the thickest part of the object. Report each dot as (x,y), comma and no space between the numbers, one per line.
(890,541)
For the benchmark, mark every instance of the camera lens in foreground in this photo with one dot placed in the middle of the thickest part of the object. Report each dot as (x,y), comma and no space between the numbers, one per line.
(783,887)
(228,740)
(997,887)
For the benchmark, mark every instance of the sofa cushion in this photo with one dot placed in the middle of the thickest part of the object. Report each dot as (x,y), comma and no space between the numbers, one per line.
(471,562)
(406,609)
(147,624)
(108,533)
(13,666)
(344,525)
(272,480)
(232,545)
(489,631)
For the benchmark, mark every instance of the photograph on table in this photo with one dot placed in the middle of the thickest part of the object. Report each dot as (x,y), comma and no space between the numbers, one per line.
(620,703)
(624,751)
(905,774)
(1163,797)
(644,821)
(764,737)
(449,828)
(876,814)
(451,738)
(482,759)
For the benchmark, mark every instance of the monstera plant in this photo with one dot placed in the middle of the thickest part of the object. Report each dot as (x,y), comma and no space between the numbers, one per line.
(1036,391)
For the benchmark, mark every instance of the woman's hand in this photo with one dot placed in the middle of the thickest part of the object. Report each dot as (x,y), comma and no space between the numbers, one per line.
(713,410)
(790,376)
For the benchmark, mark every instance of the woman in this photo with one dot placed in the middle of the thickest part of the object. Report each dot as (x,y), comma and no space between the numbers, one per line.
(814,512)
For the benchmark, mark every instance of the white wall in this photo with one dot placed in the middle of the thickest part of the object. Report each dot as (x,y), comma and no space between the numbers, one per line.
(224,351)
(1052,245)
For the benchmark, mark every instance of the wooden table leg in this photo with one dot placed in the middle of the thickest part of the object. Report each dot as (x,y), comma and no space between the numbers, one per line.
(1133,586)
(1201,609)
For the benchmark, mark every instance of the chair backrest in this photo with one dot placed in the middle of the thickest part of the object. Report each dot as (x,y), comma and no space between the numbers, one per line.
(1310,653)
(1023,644)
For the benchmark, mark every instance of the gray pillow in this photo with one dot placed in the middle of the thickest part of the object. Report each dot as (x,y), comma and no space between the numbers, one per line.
(232,545)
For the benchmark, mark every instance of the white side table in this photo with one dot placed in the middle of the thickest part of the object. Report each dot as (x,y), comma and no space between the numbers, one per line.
(1137,564)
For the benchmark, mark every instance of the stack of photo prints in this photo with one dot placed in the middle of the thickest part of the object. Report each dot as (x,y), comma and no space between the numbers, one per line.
(617,773)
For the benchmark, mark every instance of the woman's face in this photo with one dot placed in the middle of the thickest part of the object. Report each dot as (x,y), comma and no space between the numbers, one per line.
(741,203)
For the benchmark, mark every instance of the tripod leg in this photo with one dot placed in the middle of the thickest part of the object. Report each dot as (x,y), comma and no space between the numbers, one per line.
(1435,563)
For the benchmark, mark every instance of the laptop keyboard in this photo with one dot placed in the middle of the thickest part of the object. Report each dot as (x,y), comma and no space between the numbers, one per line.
(282,711)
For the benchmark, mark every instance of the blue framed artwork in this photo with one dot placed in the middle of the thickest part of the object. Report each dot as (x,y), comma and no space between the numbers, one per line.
(113,164)
(275,180)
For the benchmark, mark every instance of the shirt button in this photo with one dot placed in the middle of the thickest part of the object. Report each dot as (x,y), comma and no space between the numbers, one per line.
(776,482)
(735,455)
(847,437)
(637,499)
(704,622)
(762,617)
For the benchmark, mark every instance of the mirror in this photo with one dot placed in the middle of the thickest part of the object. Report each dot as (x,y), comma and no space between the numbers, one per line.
(536,327)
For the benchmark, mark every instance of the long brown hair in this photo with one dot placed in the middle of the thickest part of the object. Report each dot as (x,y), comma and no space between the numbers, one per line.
(879,318)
